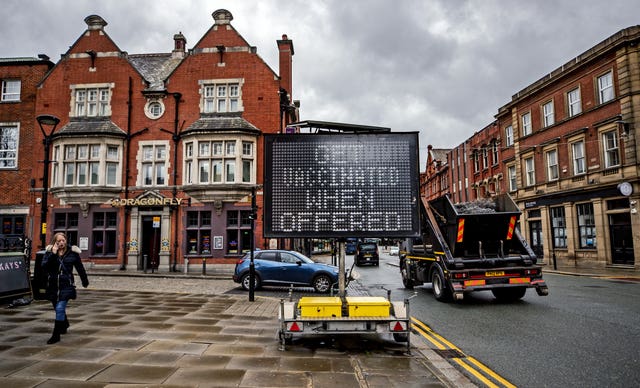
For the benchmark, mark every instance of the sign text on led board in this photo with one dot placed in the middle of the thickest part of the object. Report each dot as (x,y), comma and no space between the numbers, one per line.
(341,185)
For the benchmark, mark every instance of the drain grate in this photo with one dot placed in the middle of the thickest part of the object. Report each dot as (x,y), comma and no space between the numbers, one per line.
(449,353)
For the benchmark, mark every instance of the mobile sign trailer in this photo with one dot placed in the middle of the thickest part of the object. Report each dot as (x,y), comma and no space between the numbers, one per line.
(341,185)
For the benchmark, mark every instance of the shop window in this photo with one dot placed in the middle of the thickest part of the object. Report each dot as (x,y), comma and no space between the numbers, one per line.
(199,225)
(13,225)
(558,227)
(586,225)
(238,231)
(67,223)
(104,234)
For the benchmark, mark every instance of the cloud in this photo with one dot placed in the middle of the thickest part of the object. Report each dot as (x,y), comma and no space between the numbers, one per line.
(441,67)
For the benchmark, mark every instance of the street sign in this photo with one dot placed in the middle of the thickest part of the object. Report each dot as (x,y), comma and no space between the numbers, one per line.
(341,185)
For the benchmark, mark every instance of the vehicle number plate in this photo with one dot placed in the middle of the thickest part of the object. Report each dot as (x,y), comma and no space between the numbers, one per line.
(494,273)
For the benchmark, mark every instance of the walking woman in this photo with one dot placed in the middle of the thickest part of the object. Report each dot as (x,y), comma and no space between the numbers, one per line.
(58,263)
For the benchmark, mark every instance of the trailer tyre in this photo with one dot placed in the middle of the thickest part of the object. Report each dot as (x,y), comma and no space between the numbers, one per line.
(509,294)
(400,337)
(440,289)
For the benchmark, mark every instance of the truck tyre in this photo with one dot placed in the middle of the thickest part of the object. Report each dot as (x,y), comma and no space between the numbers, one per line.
(509,294)
(440,288)
(408,283)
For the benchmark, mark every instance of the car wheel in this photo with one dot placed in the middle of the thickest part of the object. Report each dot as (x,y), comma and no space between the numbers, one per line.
(322,284)
(440,289)
(245,282)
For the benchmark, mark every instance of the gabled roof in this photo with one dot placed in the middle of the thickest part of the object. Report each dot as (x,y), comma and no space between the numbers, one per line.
(155,68)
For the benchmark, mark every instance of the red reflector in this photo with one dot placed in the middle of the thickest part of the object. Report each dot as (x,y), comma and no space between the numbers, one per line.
(398,327)
(294,327)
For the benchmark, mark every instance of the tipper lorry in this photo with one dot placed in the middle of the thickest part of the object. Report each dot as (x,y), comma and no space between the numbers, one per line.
(471,246)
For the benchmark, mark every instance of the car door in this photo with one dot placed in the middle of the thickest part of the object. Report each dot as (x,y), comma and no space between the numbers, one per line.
(267,266)
(295,270)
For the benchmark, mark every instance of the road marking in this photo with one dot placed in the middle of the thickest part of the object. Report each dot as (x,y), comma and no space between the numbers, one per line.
(480,371)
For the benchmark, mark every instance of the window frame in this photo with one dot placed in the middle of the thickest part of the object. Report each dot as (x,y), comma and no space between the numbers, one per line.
(227,160)
(8,95)
(606,92)
(558,224)
(221,96)
(578,161)
(87,104)
(548,114)
(574,107)
(553,170)
(586,225)
(530,170)
(611,151)
(527,127)
(153,166)
(512,177)
(9,145)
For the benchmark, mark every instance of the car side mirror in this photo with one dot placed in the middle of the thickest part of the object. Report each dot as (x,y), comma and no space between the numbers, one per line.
(299,262)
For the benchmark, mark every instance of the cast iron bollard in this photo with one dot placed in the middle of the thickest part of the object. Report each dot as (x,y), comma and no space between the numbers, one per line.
(204,265)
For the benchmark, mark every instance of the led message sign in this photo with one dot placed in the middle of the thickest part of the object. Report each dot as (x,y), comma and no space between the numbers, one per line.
(341,185)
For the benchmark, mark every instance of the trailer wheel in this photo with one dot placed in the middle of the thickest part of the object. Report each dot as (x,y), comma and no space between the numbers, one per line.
(509,294)
(400,337)
(408,283)
(440,289)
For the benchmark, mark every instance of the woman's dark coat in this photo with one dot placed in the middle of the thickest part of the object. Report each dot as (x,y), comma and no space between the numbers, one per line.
(59,270)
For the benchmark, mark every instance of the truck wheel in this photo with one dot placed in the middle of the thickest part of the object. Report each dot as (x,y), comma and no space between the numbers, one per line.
(440,289)
(408,283)
(509,294)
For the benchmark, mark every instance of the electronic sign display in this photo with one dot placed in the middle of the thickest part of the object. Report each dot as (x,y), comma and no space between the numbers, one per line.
(341,185)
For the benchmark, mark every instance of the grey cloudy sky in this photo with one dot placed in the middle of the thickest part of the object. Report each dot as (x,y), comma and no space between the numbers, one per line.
(441,67)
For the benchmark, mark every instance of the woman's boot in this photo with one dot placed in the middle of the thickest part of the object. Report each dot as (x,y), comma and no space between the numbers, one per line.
(65,325)
(57,329)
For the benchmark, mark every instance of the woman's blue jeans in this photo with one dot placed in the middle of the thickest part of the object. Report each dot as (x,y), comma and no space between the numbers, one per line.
(61,307)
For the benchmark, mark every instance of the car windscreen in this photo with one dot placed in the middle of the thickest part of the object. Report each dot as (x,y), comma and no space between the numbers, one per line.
(368,247)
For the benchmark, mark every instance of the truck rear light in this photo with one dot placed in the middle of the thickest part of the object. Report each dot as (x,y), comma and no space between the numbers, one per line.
(460,275)
(530,271)
(470,283)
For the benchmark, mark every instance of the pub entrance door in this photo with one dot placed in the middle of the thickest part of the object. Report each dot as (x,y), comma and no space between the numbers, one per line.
(150,243)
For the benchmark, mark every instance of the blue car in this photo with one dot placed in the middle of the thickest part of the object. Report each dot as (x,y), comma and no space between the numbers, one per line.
(285,268)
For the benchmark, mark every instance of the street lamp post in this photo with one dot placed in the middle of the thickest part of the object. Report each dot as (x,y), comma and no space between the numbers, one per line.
(252,268)
(52,121)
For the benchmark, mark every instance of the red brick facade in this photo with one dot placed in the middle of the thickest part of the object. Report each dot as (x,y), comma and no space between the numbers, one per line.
(566,151)
(156,156)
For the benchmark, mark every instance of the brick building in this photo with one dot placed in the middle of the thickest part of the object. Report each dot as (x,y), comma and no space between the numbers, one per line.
(565,149)
(20,147)
(157,156)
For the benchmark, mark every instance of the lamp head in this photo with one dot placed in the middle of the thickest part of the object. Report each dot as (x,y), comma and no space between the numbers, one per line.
(47,120)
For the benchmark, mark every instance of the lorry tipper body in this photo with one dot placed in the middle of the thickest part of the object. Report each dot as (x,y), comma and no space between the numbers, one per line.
(472,246)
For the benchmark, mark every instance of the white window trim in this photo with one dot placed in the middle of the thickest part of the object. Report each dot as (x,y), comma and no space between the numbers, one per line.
(577,103)
(15,125)
(527,128)
(573,156)
(192,162)
(75,87)
(508,134)
(58,178)
(601,91)
(214,83)
(530,174)
(548,117)
(6,97)
(140,162)
(550,166)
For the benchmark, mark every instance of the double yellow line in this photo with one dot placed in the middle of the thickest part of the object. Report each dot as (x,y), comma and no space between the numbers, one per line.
(468,363)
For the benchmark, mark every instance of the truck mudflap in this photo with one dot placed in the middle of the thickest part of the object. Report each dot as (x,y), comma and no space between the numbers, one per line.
(499,285)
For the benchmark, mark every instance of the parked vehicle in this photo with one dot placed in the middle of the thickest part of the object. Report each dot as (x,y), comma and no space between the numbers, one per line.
(285,268)
(469,247)
(350,246)
(394,251)
(366,253)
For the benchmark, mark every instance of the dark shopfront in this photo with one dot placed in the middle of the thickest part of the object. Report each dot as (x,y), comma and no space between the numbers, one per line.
(586,228)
